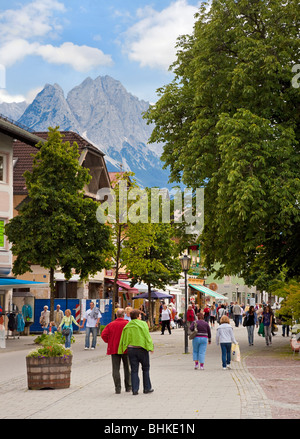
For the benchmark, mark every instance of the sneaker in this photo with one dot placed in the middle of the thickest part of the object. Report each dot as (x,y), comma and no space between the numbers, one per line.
(196,366)
(86,349)
(228,366)
(92,348)
(201,367)
(224,368)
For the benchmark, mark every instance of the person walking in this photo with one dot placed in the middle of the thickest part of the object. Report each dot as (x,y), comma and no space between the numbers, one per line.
(201,340)
(58,316)
(67,323)
(206,312)
(111,335)
(267,319)
(138,342)
(165,319)
(236,314)
(225,338)
(250,321)
(221,312)
(190,316)
(92,318)
(45,319)
(212,316)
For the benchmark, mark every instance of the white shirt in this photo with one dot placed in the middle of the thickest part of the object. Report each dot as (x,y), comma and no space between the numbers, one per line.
(165,314)
(90,321)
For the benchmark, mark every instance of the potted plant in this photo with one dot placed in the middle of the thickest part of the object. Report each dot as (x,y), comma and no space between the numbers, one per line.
(49,366)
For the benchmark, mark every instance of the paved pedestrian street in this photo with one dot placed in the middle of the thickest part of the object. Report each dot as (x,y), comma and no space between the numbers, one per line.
(265,384)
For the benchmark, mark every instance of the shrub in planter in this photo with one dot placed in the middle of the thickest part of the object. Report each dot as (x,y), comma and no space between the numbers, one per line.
(58,338)
(49,366)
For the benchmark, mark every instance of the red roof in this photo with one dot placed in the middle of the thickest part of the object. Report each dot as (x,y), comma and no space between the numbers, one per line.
(23,151)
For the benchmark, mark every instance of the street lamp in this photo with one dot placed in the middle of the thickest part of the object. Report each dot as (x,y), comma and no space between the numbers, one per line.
(185,262)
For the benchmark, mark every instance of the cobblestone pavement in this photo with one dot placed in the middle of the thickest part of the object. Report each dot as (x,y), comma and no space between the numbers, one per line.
(277,371)
(255,388)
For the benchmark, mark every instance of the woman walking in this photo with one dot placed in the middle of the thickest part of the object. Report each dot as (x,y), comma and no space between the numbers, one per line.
(212,316)
(251,321)
(201,340)
(267,319)
(66,322)
(225,338)
(165,319)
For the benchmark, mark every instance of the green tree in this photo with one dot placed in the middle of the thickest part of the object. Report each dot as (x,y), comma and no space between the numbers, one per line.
(290,306)
(57,226)
(230,122)
(114,211)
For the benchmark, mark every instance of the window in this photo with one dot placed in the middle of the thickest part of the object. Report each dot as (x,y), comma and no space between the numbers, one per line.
(2,224)
(1,168)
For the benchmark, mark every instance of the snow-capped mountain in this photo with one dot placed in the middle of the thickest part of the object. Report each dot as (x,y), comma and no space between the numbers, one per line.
(102,111)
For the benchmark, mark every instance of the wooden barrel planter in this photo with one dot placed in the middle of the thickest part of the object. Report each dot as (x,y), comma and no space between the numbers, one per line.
(49,372)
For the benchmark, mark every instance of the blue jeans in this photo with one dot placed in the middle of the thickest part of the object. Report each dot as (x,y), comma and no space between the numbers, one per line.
(68,340)
(199,349)
(226,353)
(88,332)
(137,356)
(250,330)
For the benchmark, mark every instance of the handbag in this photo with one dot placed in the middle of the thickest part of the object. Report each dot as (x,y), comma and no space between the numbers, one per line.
(245,320)
(194,332)
(66,331)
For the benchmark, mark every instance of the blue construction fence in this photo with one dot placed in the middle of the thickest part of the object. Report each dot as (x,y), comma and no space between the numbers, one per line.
(105,308)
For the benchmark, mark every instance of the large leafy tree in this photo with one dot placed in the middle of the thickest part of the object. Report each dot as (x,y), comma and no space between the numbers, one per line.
(150,255)
(57,226)
(230,122)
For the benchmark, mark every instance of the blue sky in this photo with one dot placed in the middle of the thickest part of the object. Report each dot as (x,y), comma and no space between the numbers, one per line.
(65,41)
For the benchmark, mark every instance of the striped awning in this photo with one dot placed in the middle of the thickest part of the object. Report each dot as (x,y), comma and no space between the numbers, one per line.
(208,291)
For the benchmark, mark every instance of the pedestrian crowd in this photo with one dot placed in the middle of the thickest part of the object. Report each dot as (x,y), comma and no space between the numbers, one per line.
(129,341)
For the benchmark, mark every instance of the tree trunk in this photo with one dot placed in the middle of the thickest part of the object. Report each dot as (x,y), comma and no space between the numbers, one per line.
(150,306)
(115,295)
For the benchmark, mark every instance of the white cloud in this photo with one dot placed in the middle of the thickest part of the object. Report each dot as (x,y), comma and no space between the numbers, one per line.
(6,97)
(151,41)
(23,33)
(9,98)
(81,58)
(35,19)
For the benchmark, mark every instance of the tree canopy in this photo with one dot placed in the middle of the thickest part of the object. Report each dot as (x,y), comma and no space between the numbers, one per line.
(57,225)
(230,123)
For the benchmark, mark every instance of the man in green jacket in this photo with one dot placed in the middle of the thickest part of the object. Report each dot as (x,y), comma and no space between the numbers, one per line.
(138,342)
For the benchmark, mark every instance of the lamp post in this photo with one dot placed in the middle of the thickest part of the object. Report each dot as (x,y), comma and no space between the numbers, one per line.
(185,262)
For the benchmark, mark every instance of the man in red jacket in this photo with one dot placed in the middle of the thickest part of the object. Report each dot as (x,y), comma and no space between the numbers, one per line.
(111,335)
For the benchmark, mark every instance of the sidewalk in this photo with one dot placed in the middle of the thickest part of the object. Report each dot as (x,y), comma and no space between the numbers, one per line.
(264,385)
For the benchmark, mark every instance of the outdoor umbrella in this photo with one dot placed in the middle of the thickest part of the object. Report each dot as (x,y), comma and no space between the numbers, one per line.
(154,295)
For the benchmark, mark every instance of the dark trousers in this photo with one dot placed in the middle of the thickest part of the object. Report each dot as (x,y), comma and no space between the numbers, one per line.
(236,319)
(137,356)
(164,324)
(116,363)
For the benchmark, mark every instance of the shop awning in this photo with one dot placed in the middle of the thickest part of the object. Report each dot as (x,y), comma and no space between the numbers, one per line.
(124,286)
(208,291)
(7,283)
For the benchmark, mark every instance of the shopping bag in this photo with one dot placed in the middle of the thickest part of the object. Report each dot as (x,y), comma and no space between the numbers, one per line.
(261,329)
(235,352)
